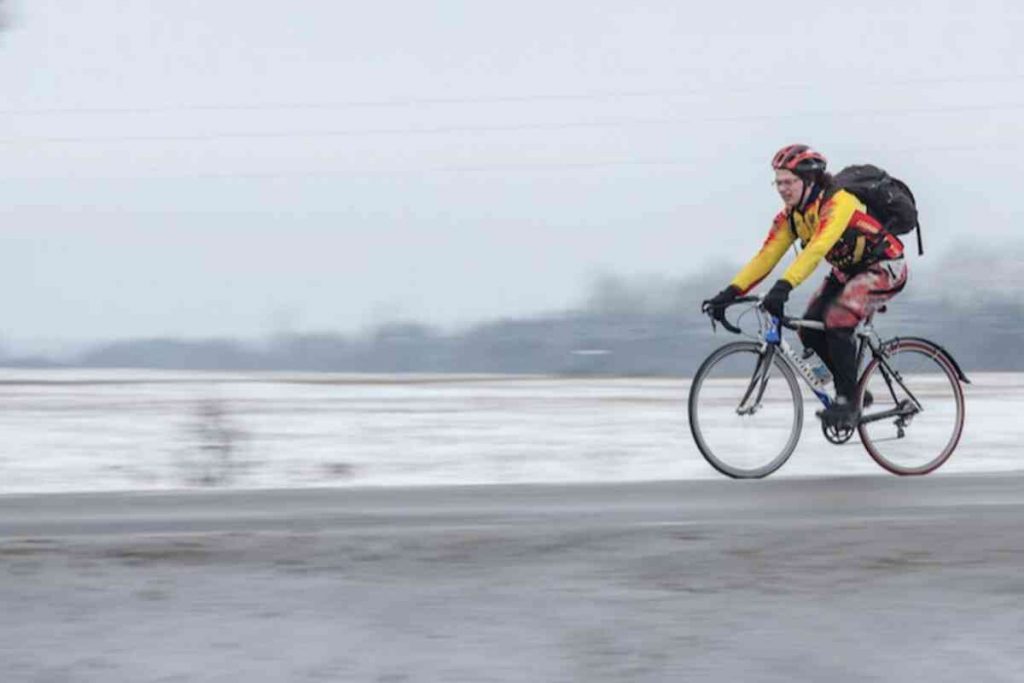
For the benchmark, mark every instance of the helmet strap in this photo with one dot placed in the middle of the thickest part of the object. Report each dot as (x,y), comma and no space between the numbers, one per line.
(808,186)
(810,193)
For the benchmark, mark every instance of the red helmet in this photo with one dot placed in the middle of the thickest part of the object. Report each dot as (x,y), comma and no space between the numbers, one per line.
(799,159)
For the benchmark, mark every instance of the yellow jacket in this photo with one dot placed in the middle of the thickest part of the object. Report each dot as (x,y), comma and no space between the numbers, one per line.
(837,229)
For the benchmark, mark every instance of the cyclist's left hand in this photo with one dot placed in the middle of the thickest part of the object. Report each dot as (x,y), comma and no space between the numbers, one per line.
(775,301)
(716,305)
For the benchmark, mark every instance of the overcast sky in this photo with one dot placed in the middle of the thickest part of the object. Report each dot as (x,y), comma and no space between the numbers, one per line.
(237,168)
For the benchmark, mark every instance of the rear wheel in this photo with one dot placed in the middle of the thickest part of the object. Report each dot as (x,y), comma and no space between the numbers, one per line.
(917,417)
(746,410)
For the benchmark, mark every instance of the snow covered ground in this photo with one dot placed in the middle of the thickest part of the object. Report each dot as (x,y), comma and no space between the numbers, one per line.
(75,430)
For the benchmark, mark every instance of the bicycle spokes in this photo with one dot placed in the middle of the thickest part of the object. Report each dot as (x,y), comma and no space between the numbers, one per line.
(917,416)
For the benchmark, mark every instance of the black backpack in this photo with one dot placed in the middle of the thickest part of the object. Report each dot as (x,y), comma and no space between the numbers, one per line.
(888,199)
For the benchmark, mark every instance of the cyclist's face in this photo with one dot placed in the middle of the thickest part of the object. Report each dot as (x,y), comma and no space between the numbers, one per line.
(790,187)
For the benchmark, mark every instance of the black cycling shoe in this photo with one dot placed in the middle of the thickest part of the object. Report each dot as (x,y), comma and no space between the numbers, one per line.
(841,414)
(868,399)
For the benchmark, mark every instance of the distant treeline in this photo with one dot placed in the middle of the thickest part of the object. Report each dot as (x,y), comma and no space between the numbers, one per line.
(650,328)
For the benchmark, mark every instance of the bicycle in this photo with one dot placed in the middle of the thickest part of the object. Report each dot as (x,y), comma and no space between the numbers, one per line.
(747,423)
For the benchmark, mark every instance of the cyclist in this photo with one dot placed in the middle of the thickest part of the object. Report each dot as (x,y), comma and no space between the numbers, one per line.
(867,267)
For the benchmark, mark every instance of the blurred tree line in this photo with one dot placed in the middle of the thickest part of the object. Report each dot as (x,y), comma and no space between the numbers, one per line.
(623,327)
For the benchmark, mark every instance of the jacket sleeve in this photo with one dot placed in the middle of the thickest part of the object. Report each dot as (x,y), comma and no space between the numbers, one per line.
(780,237)
(833,219)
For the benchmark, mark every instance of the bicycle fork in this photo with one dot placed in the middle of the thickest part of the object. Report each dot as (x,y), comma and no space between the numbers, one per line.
(751,401)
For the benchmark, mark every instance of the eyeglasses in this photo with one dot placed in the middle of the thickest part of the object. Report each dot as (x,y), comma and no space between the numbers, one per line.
(789,182)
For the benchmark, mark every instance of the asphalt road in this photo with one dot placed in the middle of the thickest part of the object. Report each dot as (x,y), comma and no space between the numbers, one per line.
(844,579)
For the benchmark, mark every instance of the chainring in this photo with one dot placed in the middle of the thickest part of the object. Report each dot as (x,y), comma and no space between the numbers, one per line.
(836,434)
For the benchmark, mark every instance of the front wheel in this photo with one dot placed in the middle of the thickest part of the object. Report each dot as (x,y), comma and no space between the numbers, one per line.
(746,410)
(917,416)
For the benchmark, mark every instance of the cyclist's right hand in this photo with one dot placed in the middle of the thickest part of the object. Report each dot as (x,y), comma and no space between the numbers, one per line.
(716,305)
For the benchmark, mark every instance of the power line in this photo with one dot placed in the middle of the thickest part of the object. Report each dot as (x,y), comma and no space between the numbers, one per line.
(694,162)
(506,99)
(518,127)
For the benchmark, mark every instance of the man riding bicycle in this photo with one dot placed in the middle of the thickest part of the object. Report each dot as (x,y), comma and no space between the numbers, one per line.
(867,263)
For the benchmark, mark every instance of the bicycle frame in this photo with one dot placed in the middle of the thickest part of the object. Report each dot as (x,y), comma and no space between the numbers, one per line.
(773,343)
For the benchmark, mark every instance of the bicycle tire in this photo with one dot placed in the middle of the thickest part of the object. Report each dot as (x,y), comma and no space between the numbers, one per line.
(725,463)
(938,388)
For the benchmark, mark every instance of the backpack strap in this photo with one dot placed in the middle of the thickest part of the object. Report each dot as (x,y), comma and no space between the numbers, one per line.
(818,192)
(917,225)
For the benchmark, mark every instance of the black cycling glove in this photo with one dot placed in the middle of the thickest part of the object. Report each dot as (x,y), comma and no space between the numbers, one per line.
(717,304)
(775,301)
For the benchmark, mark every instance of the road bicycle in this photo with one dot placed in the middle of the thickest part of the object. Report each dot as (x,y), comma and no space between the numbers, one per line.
(746,407)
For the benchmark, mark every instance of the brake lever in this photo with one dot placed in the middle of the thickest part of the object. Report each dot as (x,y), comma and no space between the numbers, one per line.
(732,328)
(706,309)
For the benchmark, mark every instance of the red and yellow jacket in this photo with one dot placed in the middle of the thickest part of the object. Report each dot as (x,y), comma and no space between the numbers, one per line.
(835,227)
